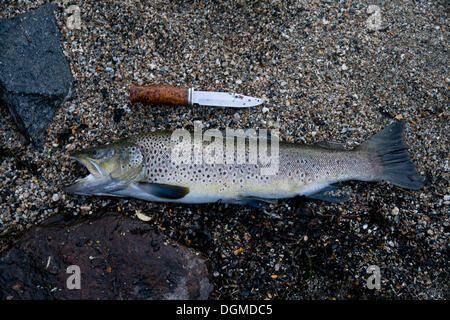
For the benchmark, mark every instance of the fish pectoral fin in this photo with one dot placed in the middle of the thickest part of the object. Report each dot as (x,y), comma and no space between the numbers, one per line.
(165,191)
(321,195)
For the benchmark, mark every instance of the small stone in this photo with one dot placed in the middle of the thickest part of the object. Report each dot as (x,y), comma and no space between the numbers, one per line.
(395,211)
(118,113)
(142,216)
(265,109)
(238,81)
(85,208)
(110,71)
(344,67)
(70,147)
(55,197)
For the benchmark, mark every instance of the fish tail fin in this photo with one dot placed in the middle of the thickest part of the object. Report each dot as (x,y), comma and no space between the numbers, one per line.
(397,166)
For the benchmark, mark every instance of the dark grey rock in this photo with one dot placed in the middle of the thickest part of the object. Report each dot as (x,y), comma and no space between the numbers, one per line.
(118,257)
(35,76)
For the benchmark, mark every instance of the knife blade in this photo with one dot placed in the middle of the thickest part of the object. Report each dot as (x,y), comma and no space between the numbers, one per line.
(189,97)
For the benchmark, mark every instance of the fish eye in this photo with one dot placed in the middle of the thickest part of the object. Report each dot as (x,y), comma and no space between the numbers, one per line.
(95,154)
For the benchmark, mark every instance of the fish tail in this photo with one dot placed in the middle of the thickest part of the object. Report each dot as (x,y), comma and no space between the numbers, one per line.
(397,166)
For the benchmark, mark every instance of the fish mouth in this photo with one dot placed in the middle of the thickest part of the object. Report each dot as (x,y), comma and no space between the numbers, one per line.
(98,182)
(91,165)
(88,184)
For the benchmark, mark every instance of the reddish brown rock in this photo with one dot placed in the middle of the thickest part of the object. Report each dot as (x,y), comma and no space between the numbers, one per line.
(118,257)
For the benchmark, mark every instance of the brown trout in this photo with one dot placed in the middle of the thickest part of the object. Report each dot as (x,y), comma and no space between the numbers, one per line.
(143,167)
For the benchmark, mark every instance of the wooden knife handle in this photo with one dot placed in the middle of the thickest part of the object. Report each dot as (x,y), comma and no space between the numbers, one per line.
(159,95)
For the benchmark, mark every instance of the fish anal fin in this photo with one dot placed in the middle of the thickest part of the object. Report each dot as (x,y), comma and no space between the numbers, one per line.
(165,191)
(256,202)
(321,195)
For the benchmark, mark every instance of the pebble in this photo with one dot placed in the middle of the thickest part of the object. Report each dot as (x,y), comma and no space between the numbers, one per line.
(85,208)
(447,199)
(55,197)
(70,147)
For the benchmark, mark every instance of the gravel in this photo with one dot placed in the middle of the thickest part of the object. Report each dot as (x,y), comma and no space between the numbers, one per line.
(326,76)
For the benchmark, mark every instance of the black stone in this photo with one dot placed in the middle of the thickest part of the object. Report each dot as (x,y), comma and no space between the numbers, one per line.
(35,75)
(118,113)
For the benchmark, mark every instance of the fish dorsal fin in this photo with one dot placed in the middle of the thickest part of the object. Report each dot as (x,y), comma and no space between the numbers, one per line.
(330,145)
(165,191)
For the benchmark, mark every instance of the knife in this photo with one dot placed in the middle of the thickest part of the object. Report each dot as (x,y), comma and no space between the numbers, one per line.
(189,97)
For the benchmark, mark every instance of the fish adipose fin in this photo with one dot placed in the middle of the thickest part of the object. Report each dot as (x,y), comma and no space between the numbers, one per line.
(396,165)
(165,191)
(321,195)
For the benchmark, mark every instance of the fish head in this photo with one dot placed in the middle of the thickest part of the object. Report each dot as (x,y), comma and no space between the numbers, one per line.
(111,168)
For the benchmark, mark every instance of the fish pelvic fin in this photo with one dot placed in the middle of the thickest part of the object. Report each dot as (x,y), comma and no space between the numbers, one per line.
(164,191)
(397,166)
